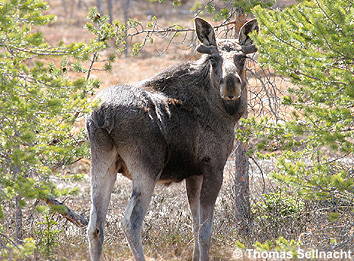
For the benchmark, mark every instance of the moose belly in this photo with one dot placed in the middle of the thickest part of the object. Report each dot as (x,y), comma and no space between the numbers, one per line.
(181,165)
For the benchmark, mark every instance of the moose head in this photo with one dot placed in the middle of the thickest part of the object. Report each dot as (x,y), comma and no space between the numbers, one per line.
(227,58)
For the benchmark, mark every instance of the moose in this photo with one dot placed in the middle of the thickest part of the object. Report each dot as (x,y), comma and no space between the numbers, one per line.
(178,125)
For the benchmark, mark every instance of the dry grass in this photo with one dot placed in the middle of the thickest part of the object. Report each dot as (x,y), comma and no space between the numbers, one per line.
(167,227)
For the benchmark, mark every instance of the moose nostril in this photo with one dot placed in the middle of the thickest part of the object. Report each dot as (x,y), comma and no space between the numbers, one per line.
(231,97)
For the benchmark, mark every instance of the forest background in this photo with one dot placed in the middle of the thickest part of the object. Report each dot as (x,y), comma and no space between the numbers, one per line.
(296,144)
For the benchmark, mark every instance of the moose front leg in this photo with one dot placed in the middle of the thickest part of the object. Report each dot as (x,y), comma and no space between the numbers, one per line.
(210,189)
(193,186)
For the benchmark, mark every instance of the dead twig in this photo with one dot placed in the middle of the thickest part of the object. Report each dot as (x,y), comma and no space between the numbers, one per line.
(9,240)
(67,213)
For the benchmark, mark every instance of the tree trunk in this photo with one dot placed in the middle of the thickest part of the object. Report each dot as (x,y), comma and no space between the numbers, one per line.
(126,5)
(240,20)
(242,192)
(99,6)
(79,4)
(110,10)
(64,6)
(18,220)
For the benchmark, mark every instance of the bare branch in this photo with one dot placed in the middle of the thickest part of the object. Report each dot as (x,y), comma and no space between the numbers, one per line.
(9,239)
(94,59)
(67,213)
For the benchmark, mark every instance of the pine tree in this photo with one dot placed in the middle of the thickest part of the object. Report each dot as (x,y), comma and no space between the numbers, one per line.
(40,105)
(312,44)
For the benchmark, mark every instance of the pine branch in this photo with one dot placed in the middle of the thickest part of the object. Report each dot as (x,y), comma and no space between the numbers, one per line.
(44,52)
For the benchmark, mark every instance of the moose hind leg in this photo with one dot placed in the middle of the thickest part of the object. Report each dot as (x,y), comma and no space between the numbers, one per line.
(103,176)
(143,187)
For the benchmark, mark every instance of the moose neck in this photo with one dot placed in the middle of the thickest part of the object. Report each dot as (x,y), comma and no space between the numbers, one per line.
(198,83)
(181,78)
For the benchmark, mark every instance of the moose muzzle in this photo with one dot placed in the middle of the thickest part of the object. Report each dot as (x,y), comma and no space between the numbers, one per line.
(230,87)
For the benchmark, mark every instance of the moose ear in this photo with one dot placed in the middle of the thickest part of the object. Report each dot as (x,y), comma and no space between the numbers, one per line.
(247,28)
(205,32)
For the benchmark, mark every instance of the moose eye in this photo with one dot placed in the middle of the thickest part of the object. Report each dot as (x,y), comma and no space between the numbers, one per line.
(239,60)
